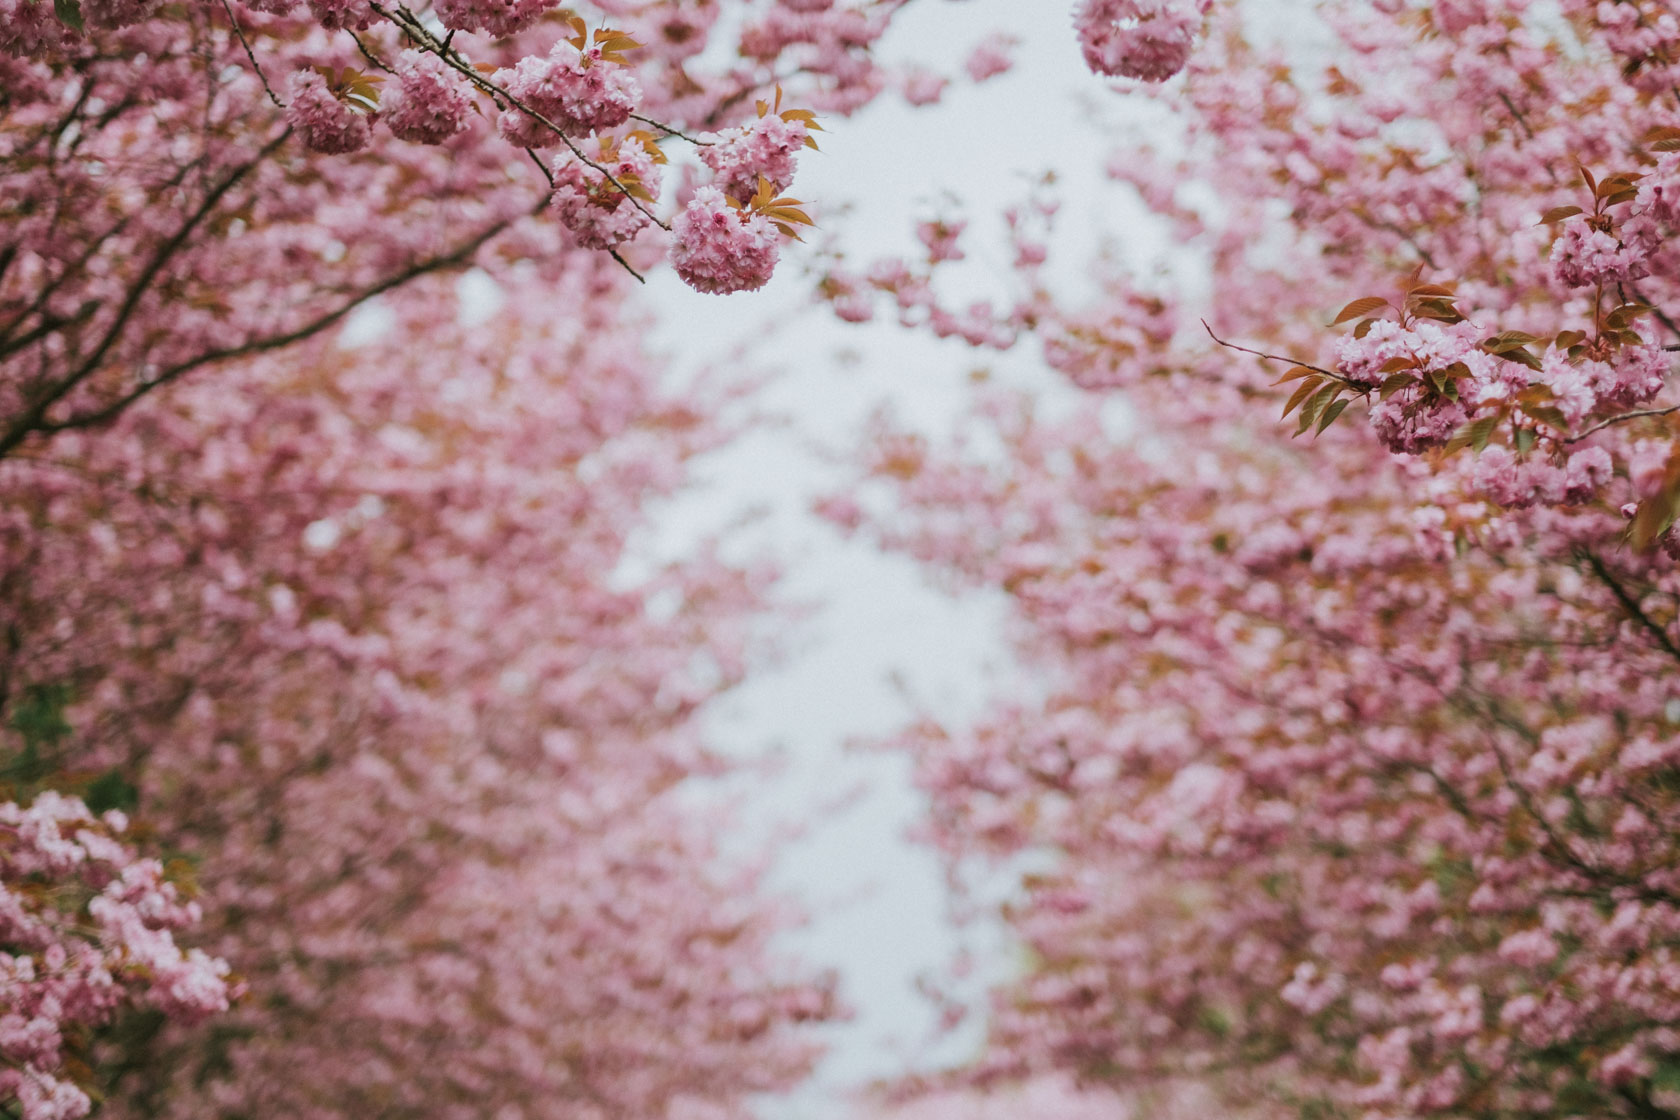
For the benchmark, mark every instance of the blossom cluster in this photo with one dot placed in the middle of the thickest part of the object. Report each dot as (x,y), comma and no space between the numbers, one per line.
(1356,744)
(722,248)
(569,88)
(605,205)
(1150,40)
(88,930)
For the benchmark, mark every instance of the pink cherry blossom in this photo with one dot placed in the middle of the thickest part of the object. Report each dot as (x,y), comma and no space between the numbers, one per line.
(720,249)
(429,104)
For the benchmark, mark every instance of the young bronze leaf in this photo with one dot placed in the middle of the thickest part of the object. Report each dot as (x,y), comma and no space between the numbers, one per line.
(1656,513)
(1302,391)
(1295,374)
(1558,214)
(1359,308)
(1508,340)
(1548,415)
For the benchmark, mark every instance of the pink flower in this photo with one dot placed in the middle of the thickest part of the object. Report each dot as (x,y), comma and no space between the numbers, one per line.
(325,123)
(990,57)
(496,18)
(768,147)
(576,90)
(1584,255)
(720,249)
(429,103)
(1145,39)
(922,87)
(598,213)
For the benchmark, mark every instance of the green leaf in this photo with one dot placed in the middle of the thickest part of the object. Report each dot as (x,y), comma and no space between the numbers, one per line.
(39,714)
(112,791)
(1330,414)
(1474,434)
(69,13)
(1525,440)
(1395,382)
(1319,400)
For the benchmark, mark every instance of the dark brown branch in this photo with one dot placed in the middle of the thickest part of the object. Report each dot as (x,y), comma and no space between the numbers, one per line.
(669,131)
(614,254)
(460,255)
(1630,604)
(34,414)
(75,267)
(48,324)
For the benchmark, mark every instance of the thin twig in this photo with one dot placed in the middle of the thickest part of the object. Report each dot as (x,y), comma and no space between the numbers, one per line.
(1619,419)
(367,54)
(250,54)
(614,254)
(1278,358)
(541,166)
(35,412)
(1517,113)
(457,256)
(669,131)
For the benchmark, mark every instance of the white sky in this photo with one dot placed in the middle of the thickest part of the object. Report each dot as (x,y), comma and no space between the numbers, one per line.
(877,901)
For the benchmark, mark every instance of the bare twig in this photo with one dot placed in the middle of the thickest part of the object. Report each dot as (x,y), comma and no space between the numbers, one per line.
(626,264)
(367,54)
(541,166)
(1280,358)
(1601,425)
(669,131)
(34,413)
(250,54)
(1630,604)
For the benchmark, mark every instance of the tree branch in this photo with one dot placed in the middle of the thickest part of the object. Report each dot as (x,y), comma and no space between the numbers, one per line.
(1629,603)
(104,415)
(34,414)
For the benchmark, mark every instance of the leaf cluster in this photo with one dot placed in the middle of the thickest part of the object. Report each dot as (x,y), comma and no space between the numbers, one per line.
(784,212)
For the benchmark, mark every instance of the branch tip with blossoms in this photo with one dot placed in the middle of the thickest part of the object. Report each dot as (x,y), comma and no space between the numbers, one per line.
(418,32)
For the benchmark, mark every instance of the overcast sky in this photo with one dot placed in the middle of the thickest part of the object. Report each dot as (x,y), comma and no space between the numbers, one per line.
(884,643)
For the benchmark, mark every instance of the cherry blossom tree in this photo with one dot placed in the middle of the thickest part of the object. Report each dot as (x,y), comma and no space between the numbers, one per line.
(342,629)
(1357,758)
(88,930)
(189,185)
(347,624)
